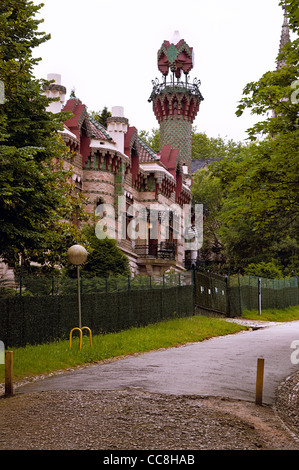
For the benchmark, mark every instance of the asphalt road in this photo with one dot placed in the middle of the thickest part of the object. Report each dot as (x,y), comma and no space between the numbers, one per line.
(222,367)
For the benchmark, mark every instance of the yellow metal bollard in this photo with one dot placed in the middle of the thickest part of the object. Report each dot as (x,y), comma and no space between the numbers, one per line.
(81,336)
(90,335)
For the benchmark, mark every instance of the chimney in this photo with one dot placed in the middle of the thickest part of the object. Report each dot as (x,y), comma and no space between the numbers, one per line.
(117,126)
(55,90)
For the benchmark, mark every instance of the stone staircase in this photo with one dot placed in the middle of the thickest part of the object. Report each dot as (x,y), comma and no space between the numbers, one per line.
(7,277)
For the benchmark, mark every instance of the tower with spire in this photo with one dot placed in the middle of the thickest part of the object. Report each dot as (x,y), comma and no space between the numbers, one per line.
(285,37)
(176,101)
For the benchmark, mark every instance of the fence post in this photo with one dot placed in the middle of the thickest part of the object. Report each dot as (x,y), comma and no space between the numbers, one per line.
(21,279)
(240,295)
(260,295)
(8,373)
(227,293)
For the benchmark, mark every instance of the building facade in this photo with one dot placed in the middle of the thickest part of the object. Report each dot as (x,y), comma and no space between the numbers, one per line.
(139,197)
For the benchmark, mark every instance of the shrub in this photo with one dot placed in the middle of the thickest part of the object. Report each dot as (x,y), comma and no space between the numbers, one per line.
(268,270)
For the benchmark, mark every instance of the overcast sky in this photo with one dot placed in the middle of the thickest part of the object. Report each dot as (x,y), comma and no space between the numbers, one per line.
(107,51)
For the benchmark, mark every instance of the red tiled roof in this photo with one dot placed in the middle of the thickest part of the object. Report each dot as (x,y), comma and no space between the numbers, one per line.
(79,114)
(144,152)
(98,131)
(168,158)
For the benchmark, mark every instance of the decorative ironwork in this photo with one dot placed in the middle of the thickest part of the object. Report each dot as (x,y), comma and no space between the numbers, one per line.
(162,250)
(176,85)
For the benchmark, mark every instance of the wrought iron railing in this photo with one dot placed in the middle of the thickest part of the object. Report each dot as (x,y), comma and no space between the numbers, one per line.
(192,88)
(162,250)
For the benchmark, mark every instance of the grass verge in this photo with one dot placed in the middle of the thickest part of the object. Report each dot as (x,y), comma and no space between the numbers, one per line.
(42,359)
(286,314)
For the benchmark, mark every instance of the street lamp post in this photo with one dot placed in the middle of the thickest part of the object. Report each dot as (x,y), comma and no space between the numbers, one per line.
(77,255)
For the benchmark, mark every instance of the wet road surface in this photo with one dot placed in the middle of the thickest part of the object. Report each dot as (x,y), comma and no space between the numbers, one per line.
(220,367)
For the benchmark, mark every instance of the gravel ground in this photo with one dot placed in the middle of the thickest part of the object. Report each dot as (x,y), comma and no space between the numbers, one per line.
(136,420)
(287,404)
(130,419)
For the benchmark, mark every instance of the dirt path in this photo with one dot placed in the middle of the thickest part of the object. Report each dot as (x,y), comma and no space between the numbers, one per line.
(135,420)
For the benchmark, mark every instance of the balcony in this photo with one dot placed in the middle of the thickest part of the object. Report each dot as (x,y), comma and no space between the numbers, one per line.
(176,86)
(162,250)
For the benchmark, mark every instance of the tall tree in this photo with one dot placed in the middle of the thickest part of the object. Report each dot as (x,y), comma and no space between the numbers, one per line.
(203,147)
(153,139)
(35,189)
(275,96)
(101,116)
(260,216)
(207,190)
(206,148)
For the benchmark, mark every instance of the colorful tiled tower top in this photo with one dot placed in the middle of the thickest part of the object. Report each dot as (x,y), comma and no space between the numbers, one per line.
(176,56)
(176,102)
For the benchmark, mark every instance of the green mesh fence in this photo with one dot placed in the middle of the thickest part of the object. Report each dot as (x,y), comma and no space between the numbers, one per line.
(233,294)
(211,292)
(40,319)
(275,293)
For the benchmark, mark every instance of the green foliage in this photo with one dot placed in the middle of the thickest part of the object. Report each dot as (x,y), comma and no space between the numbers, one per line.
(35,189)
(260,209)
(104,259)
(273,314)
(271,96)
(153,139)
(101,116)
(268,270)
(207,190)
(205,148)
(258,216)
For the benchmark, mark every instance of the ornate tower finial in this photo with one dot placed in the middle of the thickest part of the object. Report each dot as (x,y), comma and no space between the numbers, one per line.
(176,103)
(285,36)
